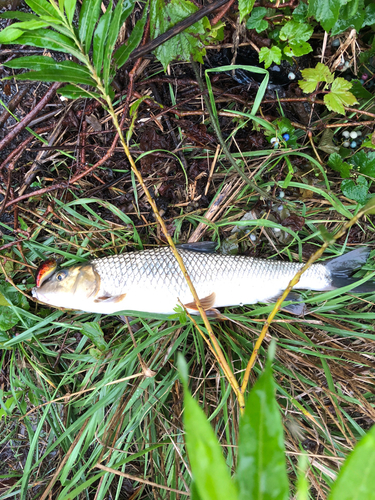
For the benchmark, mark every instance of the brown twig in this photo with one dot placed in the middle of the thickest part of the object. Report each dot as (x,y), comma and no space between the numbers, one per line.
(30,116)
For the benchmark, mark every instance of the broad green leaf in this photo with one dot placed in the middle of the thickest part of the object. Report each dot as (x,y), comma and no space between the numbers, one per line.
(113,32)
(297,49)
(48,39)
(326,12)
(74,72)
(296,32)
(261,471)
(313,76)
(359,91)
(186,44)
(70,7)
(256,20)
(357,192)
(72,92)
(335,162)
(44,8)
(300,12)
(122,53)
(245,7)
(94,333)
(88,17)
(356,480)
(269,56)
(351,15)
(369,19)
(339,96)
(3,300)
(100,38)
(364,162)
(210,473)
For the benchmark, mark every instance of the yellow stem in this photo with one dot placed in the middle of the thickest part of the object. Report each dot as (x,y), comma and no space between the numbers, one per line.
(292,284)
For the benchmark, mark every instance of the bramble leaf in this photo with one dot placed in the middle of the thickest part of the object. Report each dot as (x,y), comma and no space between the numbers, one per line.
(269,56)
(357,192)
(296,32)
(186,44)
(245,7)
(313,76)
(364,162)
(335,162)
(326,12)
(339,96)
(297,49)
(256,20)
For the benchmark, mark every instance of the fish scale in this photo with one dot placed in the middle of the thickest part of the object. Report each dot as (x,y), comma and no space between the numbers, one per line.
(152,281)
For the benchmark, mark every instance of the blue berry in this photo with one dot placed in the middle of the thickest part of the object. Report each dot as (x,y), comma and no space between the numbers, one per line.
(353,144)
(286,137)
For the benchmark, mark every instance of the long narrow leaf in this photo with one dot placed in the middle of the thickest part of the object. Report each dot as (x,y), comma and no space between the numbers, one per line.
(48,39)
(210,473)
(113,32)
(11,33)
(72,92)
(70,7)
(74,72)
(261,471)
(88,17)
(100,38)
(53,75)
(44,8)
(127,9)
(122,53)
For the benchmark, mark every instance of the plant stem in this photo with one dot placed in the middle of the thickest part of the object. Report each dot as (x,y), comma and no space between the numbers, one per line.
(292,284)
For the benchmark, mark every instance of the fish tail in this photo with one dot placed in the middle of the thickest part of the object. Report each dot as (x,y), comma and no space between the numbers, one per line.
(341,269)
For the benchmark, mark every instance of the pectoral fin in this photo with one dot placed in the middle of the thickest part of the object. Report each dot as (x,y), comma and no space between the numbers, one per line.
(206,303)
(110,300)
(299,309)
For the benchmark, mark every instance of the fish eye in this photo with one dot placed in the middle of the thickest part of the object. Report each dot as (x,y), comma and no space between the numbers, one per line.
(60,275)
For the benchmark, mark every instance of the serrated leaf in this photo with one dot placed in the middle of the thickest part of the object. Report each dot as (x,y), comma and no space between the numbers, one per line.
(100,38)
(186,44)
(355,191)
(326,12)
(47,39)
(296,32)
(261,470)
(313,76)
(70,7)
(269,56)
(210,473)
(369,19)
(113,32)
(356,479)
(44,8)
(122,53)
(65,71)
(88,17)
(256,20)
(351,15)
(339,96)
(335,162)
(72,92)
(364,162)
(245,7)
(300,12)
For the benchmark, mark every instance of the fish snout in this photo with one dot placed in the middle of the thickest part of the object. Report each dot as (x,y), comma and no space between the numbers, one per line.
(38,296)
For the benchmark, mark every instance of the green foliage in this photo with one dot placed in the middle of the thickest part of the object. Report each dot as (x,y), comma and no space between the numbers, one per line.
(269,56)
(261,470)
(189,43)
(338,94)
(326,12)
(355,186)
(296,34)
(256,20)
(245,7)
(10,314)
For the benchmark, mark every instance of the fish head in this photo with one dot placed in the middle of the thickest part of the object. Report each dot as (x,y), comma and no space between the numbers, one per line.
(73,288)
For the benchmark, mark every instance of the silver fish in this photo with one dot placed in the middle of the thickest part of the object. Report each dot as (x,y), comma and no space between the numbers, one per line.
(151,280)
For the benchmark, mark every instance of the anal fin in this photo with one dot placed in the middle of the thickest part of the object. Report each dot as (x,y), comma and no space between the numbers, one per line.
(206,303)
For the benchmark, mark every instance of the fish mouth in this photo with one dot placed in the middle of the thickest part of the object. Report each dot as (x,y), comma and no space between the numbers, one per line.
(38,296)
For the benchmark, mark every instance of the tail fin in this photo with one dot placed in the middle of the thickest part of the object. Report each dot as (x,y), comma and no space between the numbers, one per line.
(341,269)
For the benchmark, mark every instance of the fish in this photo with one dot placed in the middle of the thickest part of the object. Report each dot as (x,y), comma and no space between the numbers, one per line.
(151,280)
